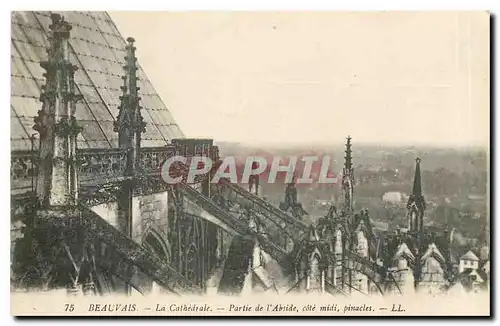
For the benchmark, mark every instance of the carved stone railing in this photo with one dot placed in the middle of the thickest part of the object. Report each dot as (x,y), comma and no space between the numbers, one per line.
(101,166)
(152,158)
(97,167)
(195,147)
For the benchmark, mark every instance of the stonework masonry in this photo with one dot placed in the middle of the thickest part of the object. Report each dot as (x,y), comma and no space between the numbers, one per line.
(149,211)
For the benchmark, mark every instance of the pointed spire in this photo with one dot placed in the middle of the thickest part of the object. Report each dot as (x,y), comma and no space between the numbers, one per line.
(131,66)
(417,182)
(129,116)
(417,195)
(416,203)
(348,154)
(139,124)
(348,179)
(129,123)
(123,121)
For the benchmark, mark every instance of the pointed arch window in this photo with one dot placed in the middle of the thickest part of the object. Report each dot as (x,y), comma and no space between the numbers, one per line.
(155,243)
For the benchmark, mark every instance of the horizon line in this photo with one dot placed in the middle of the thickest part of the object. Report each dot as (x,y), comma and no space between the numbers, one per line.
(360,143)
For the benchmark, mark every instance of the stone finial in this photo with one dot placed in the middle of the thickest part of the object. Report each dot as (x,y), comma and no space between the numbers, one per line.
(59,26)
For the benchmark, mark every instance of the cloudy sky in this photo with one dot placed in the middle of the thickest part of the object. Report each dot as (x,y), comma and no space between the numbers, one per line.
(398,78)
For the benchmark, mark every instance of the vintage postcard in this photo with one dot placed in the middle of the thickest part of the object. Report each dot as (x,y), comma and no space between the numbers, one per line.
(250,163)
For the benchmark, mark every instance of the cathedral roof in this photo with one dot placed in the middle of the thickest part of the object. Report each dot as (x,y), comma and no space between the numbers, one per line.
(98,50)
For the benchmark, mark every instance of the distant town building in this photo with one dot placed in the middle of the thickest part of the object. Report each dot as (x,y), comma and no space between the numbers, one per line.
(393,197)
(468,261)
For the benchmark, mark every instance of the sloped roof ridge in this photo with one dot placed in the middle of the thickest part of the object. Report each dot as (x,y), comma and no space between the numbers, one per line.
(469,255)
